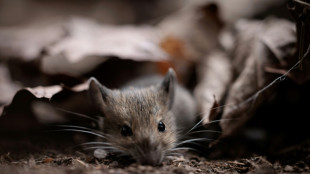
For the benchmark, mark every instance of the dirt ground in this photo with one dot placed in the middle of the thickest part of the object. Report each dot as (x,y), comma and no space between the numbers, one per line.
(60,155)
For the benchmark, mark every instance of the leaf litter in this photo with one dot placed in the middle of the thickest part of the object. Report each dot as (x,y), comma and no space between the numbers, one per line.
(231,87)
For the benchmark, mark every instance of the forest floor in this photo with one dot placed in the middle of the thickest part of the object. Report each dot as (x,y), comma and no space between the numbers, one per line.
(48,156)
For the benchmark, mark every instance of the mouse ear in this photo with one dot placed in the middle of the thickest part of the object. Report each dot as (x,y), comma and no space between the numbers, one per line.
(98,94)
(168,87)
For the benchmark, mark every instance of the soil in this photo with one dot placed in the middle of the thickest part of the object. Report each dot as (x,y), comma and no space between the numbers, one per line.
(60,154)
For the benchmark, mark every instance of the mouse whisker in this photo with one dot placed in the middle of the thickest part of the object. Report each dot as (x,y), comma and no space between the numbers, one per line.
(82,131)
(94,143)
(81,128)
(205,131)
(194,127)
(193,140)
(99,147)
(77,114)
(171,157)
(214,108)
(108,135)
(119,153)
(182,148)
(74,126)
(234,105)
(174,154)
(192,143)
(211,122)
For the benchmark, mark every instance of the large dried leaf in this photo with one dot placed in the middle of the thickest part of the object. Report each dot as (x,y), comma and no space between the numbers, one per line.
(269,41)
(28,41)
(77,46)
(88,43)
(32,108)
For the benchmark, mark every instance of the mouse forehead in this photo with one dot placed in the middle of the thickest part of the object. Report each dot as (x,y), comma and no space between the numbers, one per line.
(135,104)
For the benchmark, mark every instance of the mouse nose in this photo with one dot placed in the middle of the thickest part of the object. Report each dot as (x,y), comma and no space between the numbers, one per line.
(150,158)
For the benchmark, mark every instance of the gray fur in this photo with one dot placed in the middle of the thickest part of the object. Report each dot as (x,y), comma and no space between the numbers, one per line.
(142,105)
(184,106)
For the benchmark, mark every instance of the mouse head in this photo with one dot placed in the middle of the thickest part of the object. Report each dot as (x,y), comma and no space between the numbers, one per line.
(138,121)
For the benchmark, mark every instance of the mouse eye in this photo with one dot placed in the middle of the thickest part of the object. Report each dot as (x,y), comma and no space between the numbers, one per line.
(126,131)
(161,127)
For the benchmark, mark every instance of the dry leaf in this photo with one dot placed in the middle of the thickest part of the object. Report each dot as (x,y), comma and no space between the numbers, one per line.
(17,116)
(262,45)
(27,42)
(48,160)
(31,108)
(196,26)
(7,86)
(233,10)
(89,43)
(214,77)
(77,46)
(189,34)
(284,49)
(174,47)
(44,92)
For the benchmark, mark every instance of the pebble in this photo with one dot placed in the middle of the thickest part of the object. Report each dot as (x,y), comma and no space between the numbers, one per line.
(100,153)
(288,168)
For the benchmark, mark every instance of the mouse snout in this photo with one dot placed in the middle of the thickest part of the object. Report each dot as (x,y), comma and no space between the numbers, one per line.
(148,152)
(150,158)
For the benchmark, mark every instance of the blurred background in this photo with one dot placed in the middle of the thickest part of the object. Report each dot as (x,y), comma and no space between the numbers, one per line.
(54,46)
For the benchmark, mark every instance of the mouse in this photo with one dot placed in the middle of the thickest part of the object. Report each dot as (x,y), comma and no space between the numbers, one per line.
(145,118)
